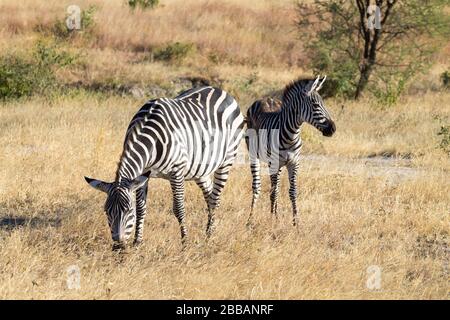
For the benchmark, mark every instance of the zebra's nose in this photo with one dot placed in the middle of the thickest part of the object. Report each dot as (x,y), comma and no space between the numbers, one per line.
(115,236)
(118,238)
(118,245)
(329,129)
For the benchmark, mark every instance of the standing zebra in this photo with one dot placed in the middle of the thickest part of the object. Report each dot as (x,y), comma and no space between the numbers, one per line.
(189,137)
(273,135)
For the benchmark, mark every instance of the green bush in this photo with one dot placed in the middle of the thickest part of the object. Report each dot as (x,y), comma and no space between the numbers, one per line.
(174,52)
(16,77)
(143,4)
(50,56)
(87,17)
(340,76)
(22,75)
(389,91)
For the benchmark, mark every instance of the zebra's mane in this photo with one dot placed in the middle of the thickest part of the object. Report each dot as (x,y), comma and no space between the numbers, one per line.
(135,122)
(300,83)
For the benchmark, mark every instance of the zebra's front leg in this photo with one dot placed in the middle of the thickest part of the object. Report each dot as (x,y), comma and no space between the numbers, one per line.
(177,185)
(251,140)
(141,211)
(292,173)
(220,179)
(206,185)
(274,190)
(255,167)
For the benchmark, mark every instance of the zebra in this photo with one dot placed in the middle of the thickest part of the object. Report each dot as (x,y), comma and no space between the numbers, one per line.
(273,136)
(191,137)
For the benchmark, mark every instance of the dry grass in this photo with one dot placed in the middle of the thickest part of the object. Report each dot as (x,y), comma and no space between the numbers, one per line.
(377,193)
(252,33)
(235,42)
(355,212)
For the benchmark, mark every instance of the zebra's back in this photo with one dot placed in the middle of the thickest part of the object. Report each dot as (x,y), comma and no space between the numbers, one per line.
(264,113)
(196,132)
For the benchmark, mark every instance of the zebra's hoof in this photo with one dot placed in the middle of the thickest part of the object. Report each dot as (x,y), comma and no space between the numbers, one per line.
(210,228)
(250,225)
(137,243)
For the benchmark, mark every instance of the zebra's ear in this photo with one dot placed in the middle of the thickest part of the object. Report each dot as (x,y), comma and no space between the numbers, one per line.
(98,184)
(312,85)
(139,182)
(319,86)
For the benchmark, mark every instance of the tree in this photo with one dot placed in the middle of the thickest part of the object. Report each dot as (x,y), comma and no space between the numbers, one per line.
(377,44)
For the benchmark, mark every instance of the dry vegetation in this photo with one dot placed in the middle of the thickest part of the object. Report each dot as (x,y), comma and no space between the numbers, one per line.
(231,41)
(377,193)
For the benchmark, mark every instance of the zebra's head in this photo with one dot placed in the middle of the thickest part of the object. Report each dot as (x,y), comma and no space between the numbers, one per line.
(313,110)
(120,206)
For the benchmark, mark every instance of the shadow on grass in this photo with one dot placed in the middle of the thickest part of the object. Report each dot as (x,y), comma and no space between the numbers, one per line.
(28,214)
(11,223)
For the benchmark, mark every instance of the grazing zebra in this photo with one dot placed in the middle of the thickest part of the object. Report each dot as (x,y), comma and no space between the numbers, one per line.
(190,137)
(273,135)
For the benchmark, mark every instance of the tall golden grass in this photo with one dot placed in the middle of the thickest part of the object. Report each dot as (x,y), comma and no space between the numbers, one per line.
(229,29)
(376,194)
(355,212)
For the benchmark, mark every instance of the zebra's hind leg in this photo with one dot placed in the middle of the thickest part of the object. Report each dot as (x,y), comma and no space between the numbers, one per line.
(255,167)
(292,172)
(177,185)
(274,190)
(220,179)
(141,211)
(206,185)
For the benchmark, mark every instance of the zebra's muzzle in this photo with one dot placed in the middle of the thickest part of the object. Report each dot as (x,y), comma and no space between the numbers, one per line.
(330,128)
(117,246)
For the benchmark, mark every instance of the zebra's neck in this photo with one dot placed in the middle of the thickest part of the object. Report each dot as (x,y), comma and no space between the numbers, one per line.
(127,170)
(291,122)
(131,164)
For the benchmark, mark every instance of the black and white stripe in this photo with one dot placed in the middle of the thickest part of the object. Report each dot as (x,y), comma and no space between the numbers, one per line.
(273,135)
(194,136)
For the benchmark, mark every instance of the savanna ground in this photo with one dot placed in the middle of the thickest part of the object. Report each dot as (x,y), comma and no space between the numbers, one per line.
(375,194)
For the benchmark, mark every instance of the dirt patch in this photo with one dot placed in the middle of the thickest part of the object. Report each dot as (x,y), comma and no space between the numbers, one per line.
(396,169)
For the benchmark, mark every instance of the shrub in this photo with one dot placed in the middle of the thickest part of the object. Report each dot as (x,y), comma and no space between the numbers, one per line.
(16,77)
(26,75)
(174,52)
(87,17)
(388,93)
(143,4)
(340,76)
(50,56)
